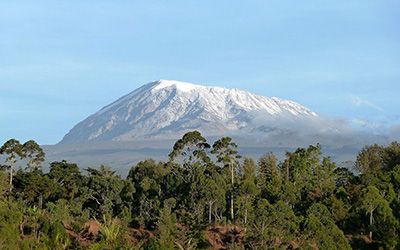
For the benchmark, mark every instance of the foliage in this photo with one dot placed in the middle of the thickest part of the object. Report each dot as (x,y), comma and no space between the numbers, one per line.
(301,202)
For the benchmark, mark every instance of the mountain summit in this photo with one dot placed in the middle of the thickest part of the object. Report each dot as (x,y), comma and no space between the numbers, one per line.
(167,109)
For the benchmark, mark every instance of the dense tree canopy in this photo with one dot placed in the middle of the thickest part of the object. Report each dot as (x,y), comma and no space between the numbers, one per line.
(203,197)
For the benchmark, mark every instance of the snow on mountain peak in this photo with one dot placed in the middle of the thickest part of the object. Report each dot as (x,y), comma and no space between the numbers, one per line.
(168,108)
(183,86)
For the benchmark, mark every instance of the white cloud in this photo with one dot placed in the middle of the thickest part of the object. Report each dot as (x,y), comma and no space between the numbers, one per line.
(289,131)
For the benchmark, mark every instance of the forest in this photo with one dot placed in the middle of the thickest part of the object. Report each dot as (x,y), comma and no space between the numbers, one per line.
(205,196)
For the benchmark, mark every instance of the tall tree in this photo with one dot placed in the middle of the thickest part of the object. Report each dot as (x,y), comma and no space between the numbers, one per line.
(67,179)
(308,179)
(104,191)
(320,230)
(371,200)
(269,177)
(167,225)
(369,160)
(4,183)
(33,187)
(322,181)
(247,190)
(226,152)
(191,161)
(214,192)
(276,226)
(12,150)
(147,178)
(33,153)
(190,149)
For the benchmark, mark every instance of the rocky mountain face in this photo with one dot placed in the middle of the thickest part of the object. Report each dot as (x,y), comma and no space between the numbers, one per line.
(167,109)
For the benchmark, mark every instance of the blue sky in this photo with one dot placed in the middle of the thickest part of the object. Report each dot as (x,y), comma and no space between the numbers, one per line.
(60,61)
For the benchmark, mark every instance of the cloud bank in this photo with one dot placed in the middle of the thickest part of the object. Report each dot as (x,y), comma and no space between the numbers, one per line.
(290,131)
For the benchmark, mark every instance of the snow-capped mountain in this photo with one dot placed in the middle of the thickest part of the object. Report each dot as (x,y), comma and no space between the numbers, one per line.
(167,109)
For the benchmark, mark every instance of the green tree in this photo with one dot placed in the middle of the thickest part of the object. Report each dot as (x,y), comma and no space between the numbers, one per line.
(395,179)
(104,191)
(10,220)
(343,176)
(226,152)
(370,159)
(323,180)
(247,191)
(309,178)
(34,154)
(194,174)
(371,201)
(191,159)
(276,226)
(147,178)
(4,183)
(190,149)
(269,177)
(33,187)
(321,231)
(12,151)
(339,208)
(214,190)
(167,225)
(67,180)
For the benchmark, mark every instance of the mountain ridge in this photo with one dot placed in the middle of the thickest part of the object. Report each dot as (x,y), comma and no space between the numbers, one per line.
(168,108)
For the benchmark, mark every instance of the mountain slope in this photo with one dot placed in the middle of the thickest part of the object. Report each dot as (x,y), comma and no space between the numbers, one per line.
(166,109)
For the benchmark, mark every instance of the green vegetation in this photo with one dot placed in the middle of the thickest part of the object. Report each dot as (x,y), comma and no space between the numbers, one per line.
(204,197)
